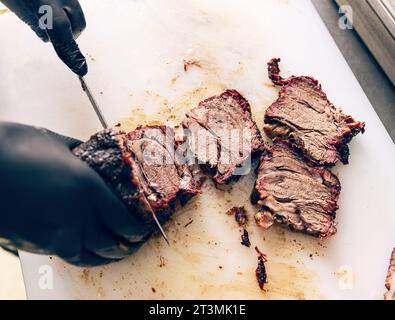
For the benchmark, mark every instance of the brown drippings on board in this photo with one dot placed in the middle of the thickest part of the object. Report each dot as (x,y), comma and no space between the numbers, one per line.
(91,57)
(171,111)
(85,275)
(189,63)
(174,79)
(189,223)
(162,262)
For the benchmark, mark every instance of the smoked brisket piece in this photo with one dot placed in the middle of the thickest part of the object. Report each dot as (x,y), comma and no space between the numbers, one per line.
(141,167)
(303,115)
(222,135)
(390,281)
(292,192)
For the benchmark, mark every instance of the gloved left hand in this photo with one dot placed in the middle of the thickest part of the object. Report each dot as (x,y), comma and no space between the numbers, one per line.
(62,27)
(53,203)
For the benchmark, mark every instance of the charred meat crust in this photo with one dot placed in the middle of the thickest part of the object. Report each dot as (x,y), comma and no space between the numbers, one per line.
(210,121)
(303,115)
(260,271)
(295,193)
(245,239)
(144,181)
(240,215)
(104,154)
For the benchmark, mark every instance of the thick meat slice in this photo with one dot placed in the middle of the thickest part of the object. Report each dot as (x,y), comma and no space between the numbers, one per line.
(157,172)
(141,168)
(390,281)
(304,115)
(294,193)
(222,135)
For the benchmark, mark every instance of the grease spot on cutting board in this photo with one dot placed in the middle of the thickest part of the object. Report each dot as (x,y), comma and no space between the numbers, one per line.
(194,86)
(189,268)
(2,11)
(157,109)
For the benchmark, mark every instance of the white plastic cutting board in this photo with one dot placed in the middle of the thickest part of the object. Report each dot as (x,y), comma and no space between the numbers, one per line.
(135,51)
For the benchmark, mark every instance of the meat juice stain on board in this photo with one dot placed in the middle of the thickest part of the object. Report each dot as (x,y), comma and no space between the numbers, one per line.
(5,10)
(285,279)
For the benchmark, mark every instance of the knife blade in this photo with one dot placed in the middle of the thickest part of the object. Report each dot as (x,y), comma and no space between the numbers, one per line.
(93,103)
(103,122)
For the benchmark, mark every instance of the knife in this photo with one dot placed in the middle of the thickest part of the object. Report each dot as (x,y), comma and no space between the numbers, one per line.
(105,126)
(93,103)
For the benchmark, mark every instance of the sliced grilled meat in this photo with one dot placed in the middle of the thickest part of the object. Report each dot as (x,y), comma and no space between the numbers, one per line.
(304,115)
(142,168)
(294,193)
(222,135)
(158,174)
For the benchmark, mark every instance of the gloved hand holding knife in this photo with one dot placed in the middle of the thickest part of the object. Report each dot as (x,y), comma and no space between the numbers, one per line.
(50,201)
(67,24)
(53,203)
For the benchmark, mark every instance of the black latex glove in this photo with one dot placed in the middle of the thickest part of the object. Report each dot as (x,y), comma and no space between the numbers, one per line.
(68,23)
(53,203)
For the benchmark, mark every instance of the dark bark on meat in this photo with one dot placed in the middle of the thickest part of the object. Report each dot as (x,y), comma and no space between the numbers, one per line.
(240,215)
(260,271)
(390,280)
(245,239)
(141,167)
(104,153)
(295,193)
(210,126)
(303,115)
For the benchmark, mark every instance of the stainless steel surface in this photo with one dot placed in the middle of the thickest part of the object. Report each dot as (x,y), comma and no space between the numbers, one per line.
(385,10)
(377,86)
(375,23)
(93,102)
(105,126)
